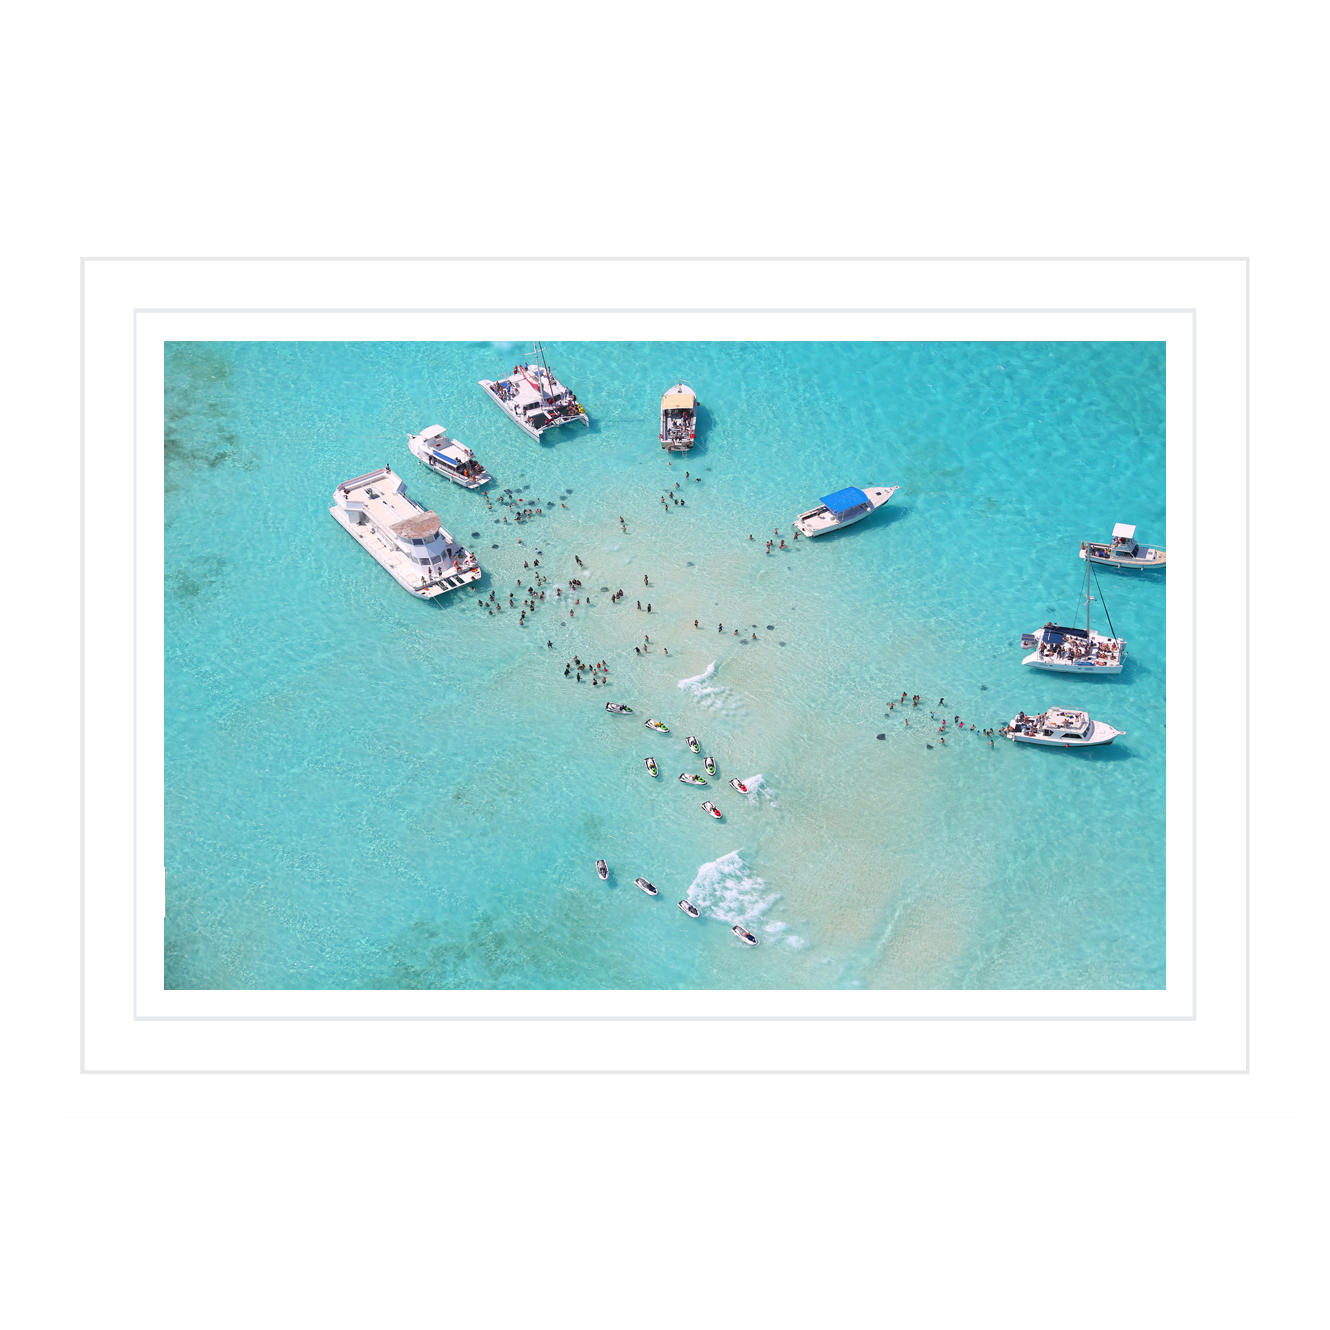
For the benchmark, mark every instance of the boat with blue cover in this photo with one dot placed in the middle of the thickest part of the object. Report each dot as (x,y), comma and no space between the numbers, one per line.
(843,508)
(447,457)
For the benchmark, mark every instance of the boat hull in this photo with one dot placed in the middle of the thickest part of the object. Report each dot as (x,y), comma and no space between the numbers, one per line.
(1159,559)
(1055,666)
(1099,737)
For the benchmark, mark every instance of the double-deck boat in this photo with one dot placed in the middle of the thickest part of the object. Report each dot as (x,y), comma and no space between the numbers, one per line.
(841,509)
(1123,551)
(447,457)
(1059,727)
(401,536)
(533,399)
(1076,650)
(678,418)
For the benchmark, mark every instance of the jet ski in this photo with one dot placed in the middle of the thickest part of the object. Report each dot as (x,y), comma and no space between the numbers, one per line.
(689,779)
(656,725)
(603,869)
(739,785)
(710,764)
(619,708)
(651,765)
(711,808)
(646,886)
(692,743)
(689,909)
(744,935)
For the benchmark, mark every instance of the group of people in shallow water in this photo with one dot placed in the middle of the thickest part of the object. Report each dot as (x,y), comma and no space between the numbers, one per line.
(942,729)
(599,671)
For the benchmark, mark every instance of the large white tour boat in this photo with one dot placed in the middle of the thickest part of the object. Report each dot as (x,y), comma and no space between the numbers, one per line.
(841,509)
(1075,650)
(447,457)
(533,399)
(1123,551)
(678,418)
(401,536)
(1059,727)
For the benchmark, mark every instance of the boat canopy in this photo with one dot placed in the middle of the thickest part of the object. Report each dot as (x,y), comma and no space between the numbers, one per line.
(1124,532)
(843,500)
(432,432)
(677,401)
(423,525)
(1055,634)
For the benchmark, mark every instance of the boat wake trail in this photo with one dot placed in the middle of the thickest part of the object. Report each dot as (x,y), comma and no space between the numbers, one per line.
(727,890)
(707,693)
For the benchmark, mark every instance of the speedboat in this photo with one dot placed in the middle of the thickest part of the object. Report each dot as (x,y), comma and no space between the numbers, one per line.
(646,886)
(447,457)
(603,870)
(619,708)
(402,537)
(1075,650)
(692,743)
(533,399)
(657,726)
(743,935)
(739,785)
(1059,727)
(678,418)
(689,909)
(1123,551)
(689,779)
(711,808)
(710,764)
(651,765)
(843,508)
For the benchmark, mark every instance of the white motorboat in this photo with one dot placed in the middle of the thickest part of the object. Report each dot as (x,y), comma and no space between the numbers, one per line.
(533,399)
(646,886)
(689,909)
(841,509)
(404,538)
(1076,650)
(447,457)
(602,870)
(678,418)
(743,935)
(1123,551)
(1060,727)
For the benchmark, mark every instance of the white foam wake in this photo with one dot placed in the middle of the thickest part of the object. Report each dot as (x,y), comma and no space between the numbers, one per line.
(758,789)
(725,889)
(716,697)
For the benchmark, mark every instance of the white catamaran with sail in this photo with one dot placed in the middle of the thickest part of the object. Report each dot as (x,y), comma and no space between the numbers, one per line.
(533,399)
(1076,650)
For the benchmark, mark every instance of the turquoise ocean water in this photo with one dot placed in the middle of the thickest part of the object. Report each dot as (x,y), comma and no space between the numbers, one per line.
(368,791)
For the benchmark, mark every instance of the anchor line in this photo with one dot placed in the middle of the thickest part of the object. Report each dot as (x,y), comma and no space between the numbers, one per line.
(1112,631)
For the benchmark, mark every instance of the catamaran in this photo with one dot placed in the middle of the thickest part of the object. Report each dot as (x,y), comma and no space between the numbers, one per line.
(1123,551)
(678,418)
(841,509)
(1076,650)
(447,457)
(533,399)
(402,537)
